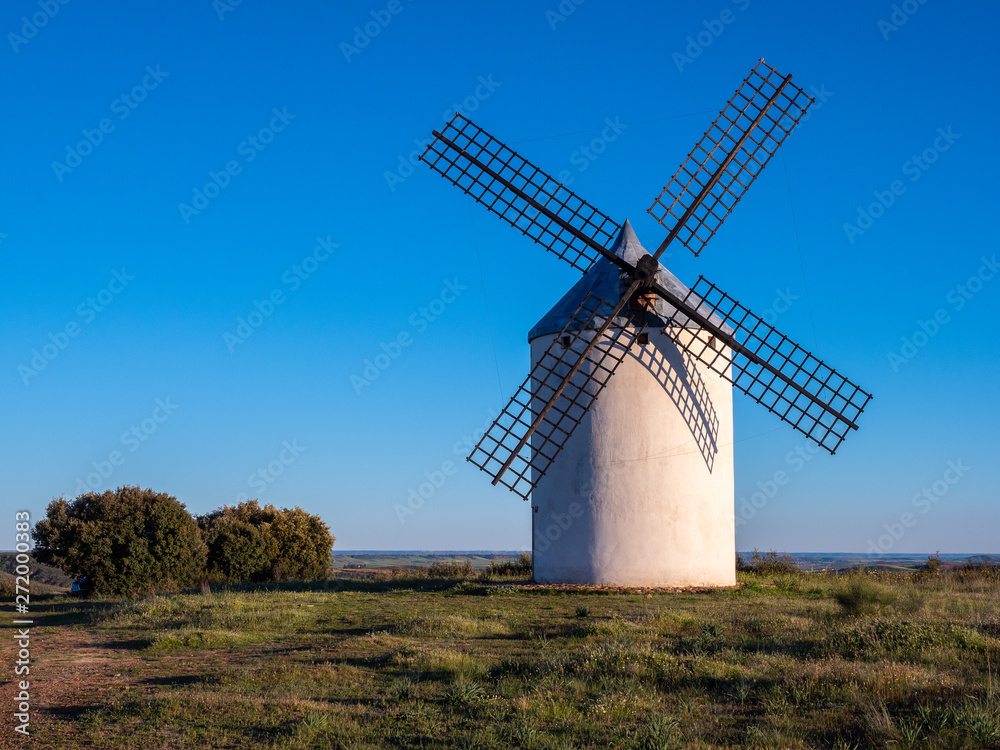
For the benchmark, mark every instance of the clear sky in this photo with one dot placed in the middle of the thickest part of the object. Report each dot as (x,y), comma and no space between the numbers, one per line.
(169,166)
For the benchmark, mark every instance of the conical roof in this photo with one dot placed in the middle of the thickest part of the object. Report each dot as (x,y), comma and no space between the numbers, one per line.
(605,280)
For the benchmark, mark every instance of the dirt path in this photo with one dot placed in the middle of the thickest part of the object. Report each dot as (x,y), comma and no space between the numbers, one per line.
(72,672)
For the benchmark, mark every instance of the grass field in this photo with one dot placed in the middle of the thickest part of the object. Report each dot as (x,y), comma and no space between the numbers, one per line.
(789,660)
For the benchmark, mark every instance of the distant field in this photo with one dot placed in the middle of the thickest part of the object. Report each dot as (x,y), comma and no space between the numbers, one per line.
(377,560)
(842,561)
(375,660)
(806,561)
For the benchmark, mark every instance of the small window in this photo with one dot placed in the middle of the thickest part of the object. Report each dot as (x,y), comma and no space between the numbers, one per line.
(643,339)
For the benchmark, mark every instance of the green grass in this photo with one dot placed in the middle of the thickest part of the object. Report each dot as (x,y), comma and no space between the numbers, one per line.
(787,661)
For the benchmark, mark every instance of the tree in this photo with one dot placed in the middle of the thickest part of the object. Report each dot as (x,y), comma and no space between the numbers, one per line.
(123,541)
(236,550)
(250,542)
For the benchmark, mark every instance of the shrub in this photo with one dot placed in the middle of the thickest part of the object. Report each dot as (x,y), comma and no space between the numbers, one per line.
(463,692)
(862,596)
(933,564)
(981,571)
(770,563)
(520,568)
(451,569)
(124,541)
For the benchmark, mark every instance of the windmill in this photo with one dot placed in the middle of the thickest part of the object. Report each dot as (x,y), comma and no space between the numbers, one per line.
(637,488)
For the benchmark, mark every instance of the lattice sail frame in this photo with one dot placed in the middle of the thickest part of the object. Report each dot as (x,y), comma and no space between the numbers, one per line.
(710,152)
(556,427)
(698,199)
(494,191)
(846,399)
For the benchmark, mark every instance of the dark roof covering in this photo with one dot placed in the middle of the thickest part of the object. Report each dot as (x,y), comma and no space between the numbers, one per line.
(604,280)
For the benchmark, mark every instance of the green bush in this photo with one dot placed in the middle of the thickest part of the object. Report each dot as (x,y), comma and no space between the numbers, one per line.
(125,541)
(134,540)
(250,542)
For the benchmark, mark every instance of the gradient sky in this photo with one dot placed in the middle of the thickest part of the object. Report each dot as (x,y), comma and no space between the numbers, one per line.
(153,378)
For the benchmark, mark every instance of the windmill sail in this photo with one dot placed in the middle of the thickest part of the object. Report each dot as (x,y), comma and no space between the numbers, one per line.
(555,396)
(705,322)
(772,369)
(520,193)
(728,158)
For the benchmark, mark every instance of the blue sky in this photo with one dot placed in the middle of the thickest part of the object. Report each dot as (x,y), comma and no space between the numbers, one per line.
(121,344)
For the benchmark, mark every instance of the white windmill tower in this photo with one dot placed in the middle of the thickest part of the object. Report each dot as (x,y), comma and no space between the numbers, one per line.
(642,492)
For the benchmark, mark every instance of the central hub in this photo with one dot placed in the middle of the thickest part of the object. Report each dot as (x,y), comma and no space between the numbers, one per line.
(646,268)
(645,273)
